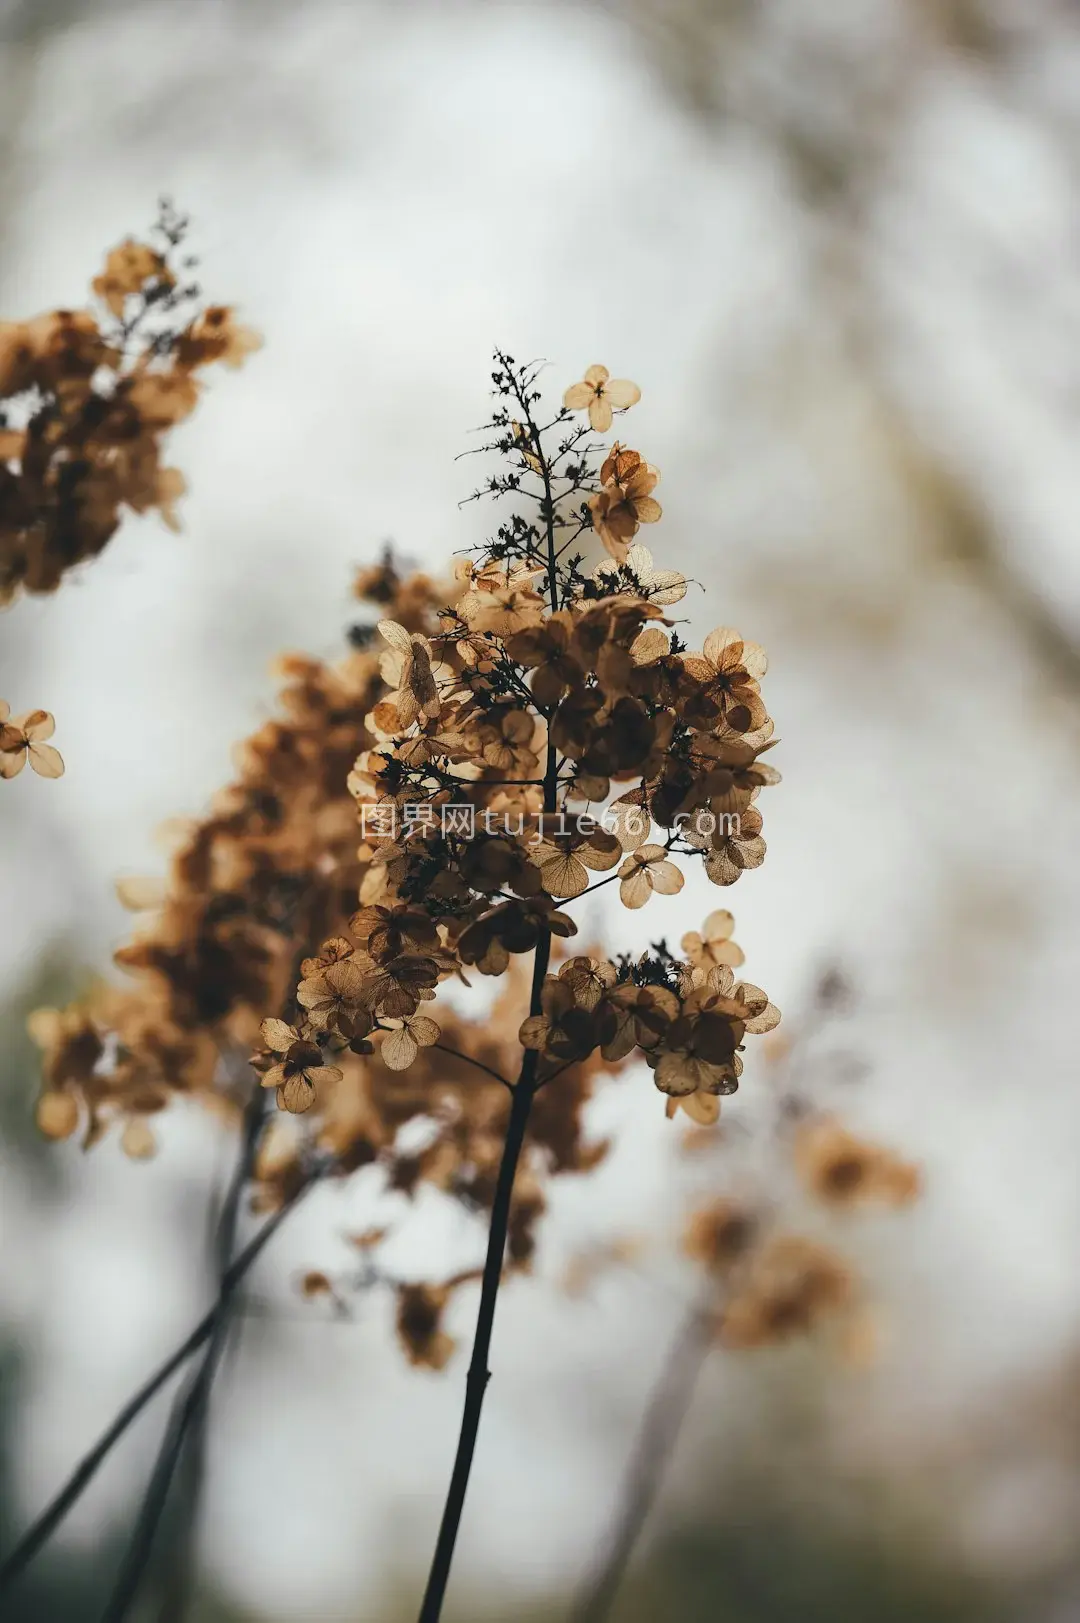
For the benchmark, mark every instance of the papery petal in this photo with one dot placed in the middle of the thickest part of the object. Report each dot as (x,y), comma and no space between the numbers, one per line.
(399,1049)
(533,1032)
(666,878)
(578,396)
(635,888)
(278,1036)
(564,876)
(723,646)
(46,761)
(596,374)
(600,414)
(38,726)
(755,661)
(703,1108)
(295,1095)
(622,393)
(396,636)
(675,1075)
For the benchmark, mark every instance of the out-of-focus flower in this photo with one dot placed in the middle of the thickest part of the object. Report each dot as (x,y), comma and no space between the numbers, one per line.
(713,944)
(843,1170)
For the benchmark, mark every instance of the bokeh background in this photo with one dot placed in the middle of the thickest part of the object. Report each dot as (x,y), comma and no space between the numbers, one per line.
(839,248)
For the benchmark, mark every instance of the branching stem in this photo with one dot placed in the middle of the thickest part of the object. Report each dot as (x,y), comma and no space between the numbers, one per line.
(42,1529)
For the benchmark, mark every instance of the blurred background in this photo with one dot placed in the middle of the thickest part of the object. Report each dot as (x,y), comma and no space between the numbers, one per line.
(838,246)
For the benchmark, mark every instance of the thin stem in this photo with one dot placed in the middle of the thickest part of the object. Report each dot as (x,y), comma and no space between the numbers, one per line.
(189,1412)
(42,1529)
(444,1048)
(659,1433)
(524,1092)
(479,1374)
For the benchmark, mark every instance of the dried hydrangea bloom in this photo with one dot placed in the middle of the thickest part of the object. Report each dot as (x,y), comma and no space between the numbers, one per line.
(297,1070)
(471,719)
(713,944)
(22,739)
(843,1170)
(87,398)
(788,1287)
(624,501)
(647,870)
(598,393)
(720,1233)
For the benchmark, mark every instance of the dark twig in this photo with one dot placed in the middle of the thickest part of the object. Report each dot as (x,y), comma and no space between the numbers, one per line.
(42,1529)
(189,1411)
(444,1048)
(659,1433)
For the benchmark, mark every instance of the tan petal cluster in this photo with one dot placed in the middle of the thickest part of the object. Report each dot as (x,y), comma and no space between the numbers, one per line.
(625,500)
(94,393)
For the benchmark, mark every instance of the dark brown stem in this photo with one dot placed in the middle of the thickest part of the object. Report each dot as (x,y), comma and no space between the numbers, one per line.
(42,1529)
(479,1374)
(659,1433)
(189,1411)
(524,1092)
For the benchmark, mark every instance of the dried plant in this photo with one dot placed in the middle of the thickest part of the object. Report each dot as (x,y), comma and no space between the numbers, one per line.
(86,400)
(505,736)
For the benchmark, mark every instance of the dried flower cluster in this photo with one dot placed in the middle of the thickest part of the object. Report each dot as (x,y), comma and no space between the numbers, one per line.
(87,398)
(505,736)
(533,732)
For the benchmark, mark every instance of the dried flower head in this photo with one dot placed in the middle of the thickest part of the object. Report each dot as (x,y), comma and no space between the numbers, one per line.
(22,739)
(86,400)
(598,393)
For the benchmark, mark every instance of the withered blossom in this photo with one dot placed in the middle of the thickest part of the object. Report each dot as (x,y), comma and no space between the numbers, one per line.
(94,393)
(597,393)
(23,738)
